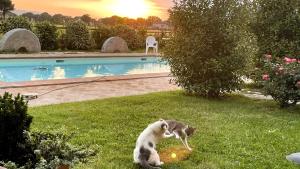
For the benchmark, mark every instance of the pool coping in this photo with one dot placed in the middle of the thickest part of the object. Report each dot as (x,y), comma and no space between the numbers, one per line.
(6,85)
(49,55)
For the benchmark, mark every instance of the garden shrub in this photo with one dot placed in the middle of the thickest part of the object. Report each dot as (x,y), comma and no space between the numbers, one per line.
(62,40)
(77,36)
(15,22)
(14,120)
(100,35)
(127,33)
(47,34)
(276,26)
(140,40)
(281,79)
(51,151)
(21,149)
(278,37)
(204,50)
(162,39)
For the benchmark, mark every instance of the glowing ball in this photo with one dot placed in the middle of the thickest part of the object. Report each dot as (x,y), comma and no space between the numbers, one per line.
(174,154)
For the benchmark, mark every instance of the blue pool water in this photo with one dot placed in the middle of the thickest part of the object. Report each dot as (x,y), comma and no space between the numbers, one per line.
(16,70)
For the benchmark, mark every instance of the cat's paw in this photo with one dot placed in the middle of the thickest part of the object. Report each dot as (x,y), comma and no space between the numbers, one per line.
(190,149)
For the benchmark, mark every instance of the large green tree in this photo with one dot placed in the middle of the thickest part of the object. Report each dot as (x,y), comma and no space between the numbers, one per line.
(5,6)
(277,27)
(206,50)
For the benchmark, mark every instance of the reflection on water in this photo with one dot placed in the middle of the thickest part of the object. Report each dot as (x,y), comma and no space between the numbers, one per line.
(58,73)
(1,77)
(97,71)
(34,78)
(78,70)
(91,73)
(149,68)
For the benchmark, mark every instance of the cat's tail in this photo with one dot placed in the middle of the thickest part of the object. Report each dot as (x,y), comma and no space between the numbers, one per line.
(146,165)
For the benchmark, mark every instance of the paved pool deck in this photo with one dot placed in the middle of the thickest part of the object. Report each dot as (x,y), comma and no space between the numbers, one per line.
(97,89)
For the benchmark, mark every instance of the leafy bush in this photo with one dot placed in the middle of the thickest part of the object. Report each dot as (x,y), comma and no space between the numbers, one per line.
(15,22)
(51,151)
(47,34)
(14,120)
(77,36)
(204,50)
(140,39)
(100,35)
(162,39)
(276,26)
(62,40)
(281,79)
(278,36)
(21,149)
(127,33)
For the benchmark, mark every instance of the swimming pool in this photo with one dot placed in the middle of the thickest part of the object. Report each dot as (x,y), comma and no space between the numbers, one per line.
(17,70)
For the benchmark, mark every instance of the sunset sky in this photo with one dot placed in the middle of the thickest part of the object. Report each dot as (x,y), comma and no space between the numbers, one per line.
(97,8)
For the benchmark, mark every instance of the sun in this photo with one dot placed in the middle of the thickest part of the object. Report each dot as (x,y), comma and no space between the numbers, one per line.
(130,8)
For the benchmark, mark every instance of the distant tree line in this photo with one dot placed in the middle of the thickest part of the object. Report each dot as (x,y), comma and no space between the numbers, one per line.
(60,19)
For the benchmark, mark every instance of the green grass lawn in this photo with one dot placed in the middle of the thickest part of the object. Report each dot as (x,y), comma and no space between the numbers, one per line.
(234,132)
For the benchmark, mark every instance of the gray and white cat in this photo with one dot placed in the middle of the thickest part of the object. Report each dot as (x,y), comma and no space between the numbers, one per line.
(145,152)
(181,131)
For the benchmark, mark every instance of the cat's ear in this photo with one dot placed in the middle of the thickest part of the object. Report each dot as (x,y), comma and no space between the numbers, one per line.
(164,126)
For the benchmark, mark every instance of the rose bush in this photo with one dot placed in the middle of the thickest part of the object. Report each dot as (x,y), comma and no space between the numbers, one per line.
(281,79)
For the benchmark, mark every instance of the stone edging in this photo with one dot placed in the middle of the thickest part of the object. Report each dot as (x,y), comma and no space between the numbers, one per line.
(49,55)
(5,85)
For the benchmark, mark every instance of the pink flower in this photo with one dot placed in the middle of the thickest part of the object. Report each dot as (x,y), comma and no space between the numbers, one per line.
(299,61)
(266,77)
(287,60)
(298,84)
(294,60)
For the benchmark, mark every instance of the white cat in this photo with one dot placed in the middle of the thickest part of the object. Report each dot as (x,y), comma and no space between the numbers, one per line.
(145,153)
